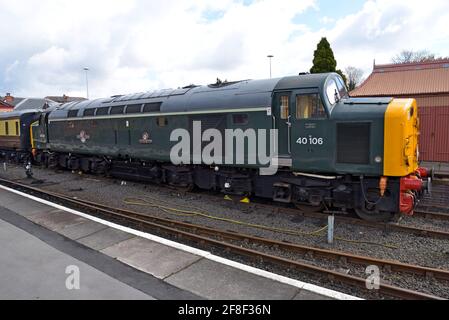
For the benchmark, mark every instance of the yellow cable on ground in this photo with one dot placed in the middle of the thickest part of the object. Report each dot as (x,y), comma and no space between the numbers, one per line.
(181,212)
(193,213)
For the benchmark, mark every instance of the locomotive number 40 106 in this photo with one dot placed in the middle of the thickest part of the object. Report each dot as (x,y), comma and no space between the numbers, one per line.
(310,140)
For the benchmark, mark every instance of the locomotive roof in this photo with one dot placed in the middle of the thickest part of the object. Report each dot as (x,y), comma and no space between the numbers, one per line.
(244,94)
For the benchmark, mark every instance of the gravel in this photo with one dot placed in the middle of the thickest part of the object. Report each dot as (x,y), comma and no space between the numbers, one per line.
(411,249)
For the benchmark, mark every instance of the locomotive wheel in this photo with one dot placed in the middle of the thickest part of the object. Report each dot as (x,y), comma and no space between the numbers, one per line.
(369,212)
(366,212)
(374,216)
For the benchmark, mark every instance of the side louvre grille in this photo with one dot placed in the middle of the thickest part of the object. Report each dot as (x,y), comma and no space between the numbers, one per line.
(353,143)
(209,122)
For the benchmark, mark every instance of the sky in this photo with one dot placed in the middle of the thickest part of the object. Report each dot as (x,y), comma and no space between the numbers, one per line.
(141,45)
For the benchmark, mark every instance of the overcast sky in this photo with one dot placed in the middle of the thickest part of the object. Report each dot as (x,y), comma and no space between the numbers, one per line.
(141,45)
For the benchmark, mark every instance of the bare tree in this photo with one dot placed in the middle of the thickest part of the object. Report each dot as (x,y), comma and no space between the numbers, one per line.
(354,77)
(406,56)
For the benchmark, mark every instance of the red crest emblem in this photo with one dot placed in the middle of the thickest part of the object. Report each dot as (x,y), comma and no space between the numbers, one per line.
(83,136)
(146,138)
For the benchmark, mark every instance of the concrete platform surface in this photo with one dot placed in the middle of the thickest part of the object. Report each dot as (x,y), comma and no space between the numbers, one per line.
(31,269)
(151,257)
(156,269)
(216,281)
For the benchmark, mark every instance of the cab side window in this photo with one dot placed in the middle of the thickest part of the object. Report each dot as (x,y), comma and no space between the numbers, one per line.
(285,107)
(309,107)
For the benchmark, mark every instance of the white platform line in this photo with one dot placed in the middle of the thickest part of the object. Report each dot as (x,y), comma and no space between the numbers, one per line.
(205,254)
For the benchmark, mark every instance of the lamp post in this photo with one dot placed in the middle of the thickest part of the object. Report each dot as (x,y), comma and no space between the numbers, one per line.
(87,82)
(270,57)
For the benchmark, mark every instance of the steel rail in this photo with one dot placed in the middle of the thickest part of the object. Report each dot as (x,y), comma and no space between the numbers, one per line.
(432,215)
(335,254)
(142,220)
(390,226)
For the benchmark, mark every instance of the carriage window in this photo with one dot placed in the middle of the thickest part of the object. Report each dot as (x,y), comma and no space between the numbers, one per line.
(17,128)
(6,128)
(285,107)
(309,106)
(240,119)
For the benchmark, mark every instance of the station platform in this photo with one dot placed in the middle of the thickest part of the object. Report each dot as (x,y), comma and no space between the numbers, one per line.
(41,241)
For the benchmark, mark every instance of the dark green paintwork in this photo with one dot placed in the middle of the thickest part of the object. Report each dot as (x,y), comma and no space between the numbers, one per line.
(64,136)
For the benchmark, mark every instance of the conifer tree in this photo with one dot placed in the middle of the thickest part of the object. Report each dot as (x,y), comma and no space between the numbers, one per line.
(324,60)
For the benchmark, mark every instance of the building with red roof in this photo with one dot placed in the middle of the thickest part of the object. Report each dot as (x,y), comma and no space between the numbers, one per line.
(5,104)
(428,83)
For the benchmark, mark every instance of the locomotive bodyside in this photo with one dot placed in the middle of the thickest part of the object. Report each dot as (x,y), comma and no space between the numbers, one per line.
(332,150)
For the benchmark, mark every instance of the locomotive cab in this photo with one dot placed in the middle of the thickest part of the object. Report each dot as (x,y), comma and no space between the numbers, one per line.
(347,153)
(302,113)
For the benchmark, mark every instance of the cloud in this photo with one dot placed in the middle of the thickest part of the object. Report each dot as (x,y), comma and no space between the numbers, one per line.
(327,20)
(383,28)
(141,45)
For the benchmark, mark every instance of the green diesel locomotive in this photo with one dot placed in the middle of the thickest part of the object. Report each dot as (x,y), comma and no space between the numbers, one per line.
(328,150)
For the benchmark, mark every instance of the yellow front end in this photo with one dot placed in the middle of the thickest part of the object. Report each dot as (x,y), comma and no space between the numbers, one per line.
(401,138)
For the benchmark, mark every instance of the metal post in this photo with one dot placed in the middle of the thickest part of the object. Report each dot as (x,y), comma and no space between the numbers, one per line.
(270,57)
(87,82)
(330,229)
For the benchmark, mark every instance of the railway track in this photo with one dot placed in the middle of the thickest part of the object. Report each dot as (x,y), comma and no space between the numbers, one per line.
(226,240)
(430,214)
(385,226)
(424,212)
(435,206)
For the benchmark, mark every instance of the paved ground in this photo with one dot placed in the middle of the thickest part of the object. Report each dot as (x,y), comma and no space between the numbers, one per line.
(41,241)
(31,269)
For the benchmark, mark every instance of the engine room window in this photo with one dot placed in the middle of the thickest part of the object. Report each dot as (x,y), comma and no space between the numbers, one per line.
(89,112)
(309,106)
(285,107)
(240,119)
(102,111)
(162,121)
(332,92)
(117,110)
(72,114)
(152,107)
(133,108)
